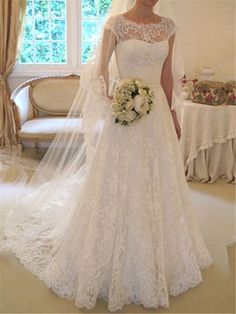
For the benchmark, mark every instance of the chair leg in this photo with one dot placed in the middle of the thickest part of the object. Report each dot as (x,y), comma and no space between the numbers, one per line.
(19,149)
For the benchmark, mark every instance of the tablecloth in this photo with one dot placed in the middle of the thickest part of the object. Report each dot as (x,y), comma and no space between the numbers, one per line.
(208,141)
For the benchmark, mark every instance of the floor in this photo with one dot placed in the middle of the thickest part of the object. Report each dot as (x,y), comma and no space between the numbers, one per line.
(22,292)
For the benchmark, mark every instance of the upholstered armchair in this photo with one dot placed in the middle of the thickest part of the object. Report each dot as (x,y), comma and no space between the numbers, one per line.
(41,105)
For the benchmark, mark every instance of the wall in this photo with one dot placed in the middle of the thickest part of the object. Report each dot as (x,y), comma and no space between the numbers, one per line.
(208,36)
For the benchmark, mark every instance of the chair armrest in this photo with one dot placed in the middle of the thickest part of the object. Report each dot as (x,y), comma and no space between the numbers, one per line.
(23,109)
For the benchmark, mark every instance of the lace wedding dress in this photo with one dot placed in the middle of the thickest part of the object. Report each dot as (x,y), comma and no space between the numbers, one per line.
(127,232)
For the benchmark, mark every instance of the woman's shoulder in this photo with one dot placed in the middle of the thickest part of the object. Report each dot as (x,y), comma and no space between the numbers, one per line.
(112,21)
(169,22)
(169,27)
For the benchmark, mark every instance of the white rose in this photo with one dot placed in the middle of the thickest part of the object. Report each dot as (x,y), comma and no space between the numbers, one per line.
(117,114)
(126,82)
(116,107)
(139,83)
(132,88)
(124,94)
(145,107)
(142,92)
(151,93)
(131,115)
(128,117)
(117,98)
(138,102)
(129,105)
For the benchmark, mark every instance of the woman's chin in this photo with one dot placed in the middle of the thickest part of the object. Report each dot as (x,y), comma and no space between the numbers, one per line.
(149,3)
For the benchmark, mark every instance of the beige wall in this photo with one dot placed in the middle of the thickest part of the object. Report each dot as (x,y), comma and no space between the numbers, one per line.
(208,36)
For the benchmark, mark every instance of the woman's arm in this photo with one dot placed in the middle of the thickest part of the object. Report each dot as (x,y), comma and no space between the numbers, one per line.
(107,48)
(167,84)
(166,74)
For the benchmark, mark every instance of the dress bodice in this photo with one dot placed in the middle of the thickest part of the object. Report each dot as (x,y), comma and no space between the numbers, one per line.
(139,59)
(141,49)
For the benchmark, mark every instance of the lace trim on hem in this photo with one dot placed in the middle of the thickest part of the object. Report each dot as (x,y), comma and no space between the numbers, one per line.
(105,296)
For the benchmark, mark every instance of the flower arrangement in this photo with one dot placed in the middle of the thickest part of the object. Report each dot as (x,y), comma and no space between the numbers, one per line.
(131,101)
(187,86)
(230,90)
(209,92)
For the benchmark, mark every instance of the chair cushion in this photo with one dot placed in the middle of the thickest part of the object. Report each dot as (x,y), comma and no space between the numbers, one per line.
(46,128)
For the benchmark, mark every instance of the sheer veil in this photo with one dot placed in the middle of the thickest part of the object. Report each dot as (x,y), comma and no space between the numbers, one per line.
(71,153)
(73,150)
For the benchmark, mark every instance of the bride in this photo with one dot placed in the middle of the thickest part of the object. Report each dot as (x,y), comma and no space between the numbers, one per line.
(108,214)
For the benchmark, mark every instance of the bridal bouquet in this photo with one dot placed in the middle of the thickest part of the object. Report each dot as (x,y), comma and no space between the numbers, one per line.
(131,101)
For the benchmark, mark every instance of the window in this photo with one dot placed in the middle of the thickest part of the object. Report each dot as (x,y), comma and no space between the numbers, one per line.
(93,12)
(44,36)
(58,35)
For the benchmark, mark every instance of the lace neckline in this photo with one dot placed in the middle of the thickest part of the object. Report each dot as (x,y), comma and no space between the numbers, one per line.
(141,24)
(124,29)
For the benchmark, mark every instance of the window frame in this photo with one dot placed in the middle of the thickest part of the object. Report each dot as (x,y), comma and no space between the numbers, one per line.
(74,64)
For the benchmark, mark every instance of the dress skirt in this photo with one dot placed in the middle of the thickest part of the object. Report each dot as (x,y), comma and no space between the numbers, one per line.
(127,232)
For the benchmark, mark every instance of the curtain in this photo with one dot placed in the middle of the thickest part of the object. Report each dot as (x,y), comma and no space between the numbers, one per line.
(11,19)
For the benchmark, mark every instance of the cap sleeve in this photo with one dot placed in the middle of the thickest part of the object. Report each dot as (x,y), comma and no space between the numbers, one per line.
(170,27)
(110,24)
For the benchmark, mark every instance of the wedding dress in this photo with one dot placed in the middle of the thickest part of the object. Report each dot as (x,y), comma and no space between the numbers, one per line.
(127,232)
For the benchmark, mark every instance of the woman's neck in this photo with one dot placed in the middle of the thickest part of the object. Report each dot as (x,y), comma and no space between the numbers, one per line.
(142,11)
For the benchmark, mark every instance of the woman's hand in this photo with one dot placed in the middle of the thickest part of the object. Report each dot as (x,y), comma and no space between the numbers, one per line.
(176,124)
(109,100)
